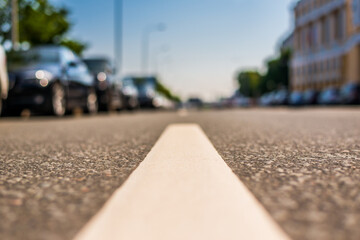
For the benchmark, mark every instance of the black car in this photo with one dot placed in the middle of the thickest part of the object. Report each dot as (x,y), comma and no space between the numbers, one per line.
(310,97)
(108,89)
(147,91)
(50,79)
(194,102)
(329,96)
(130,93)
(350,93)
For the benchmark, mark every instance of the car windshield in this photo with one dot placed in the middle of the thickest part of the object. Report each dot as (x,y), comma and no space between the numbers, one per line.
(33,57)
(96,66)
(127,82)
(146,87)
(144,84)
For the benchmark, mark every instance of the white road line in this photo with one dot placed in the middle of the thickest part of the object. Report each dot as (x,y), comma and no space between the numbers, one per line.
(182,190)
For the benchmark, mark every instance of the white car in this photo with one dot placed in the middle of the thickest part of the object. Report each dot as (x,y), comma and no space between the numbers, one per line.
(4,81)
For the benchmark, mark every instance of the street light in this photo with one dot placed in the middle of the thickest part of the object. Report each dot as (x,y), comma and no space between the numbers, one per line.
(162,50)
(146,42)
(118,20)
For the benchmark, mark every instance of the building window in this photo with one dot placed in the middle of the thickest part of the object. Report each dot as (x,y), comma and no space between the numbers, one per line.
(327,31)
(322,34)
(342,23)
(340,26)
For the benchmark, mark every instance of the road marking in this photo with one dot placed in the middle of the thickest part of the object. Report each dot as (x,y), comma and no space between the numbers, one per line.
(182,190)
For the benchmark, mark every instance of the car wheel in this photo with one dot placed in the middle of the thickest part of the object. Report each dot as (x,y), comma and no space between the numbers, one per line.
(58,100)
(133,104)
(92,103)
(109,102)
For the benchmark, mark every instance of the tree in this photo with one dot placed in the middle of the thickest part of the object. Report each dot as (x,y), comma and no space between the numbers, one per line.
(74,45)
(277,74)
(249,83)
(161,89)
(40,22)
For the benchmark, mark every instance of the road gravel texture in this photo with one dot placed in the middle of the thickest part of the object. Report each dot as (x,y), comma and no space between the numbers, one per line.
(55,174)
(303,165)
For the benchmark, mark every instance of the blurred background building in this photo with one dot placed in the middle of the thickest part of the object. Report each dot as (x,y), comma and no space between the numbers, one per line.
(326,44)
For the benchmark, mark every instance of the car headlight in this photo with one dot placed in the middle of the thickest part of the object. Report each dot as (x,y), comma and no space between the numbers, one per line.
(44,77)
(101,76)
(150,93)
(41,74)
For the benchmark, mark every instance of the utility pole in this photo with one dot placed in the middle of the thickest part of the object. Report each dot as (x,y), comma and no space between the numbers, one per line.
(118,26)
(145,45)
(15,24)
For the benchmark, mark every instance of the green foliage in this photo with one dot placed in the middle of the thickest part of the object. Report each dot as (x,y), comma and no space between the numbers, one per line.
(75,46)
(40,22)
(161,89)
(253,84)
(277,74)
(249,83)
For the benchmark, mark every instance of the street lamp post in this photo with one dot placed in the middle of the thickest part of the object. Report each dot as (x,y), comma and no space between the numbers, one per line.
(162,50)
(146,42)
(118,25)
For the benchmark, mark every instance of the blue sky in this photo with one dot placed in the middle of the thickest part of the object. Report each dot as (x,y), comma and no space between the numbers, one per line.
(205,42)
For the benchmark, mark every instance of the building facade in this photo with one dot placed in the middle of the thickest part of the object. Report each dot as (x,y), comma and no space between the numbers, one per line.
(326,44)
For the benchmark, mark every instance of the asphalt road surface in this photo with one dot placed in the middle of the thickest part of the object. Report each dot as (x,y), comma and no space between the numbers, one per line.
(303,165)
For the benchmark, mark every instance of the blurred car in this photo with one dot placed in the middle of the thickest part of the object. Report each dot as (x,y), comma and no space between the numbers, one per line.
(195,102)
(268,99)
(147,93)
(329,96)
(130,93)
(162,102)
(264,100)
(223,102)
(296,99)
(310,97)
(4,81)
(108,89)
(281,97)
(350,93)
(241,102)
(50,79)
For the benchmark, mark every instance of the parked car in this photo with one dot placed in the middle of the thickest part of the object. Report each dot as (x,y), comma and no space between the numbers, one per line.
(329,96)
(268,99)
(296,99)
(108,88)
(147,93)
(281,97)
(310,97)
(350,93)
(241,102)
(50,79)
(4,81)
(130,93)
(194,103)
